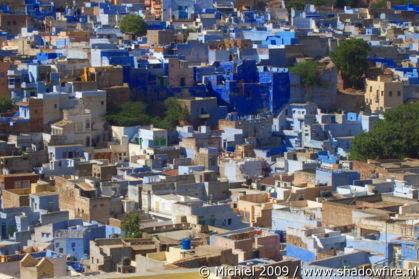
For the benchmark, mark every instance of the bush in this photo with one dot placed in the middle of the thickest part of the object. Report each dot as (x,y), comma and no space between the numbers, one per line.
(351,58)
(397,136)
(129,114)
(133,24)
(6,105)
(342,3)
(298,5)
(309,73)
(130,225)
(165,115)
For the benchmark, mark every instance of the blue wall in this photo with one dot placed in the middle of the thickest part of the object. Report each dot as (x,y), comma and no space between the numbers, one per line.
(300,253)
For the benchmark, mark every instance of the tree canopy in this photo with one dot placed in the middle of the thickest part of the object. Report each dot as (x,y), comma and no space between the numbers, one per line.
(133,24)
(175,114)
(318,3)
(165,115)
(130,225)
(129,114)
(309,73)
(351,58)
(397,136)
(186,33)
(381,4)
(298,5)
(6,105)
(342,3)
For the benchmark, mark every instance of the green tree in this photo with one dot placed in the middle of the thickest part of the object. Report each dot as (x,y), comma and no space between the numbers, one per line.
(397,136)
(342,3)
(309,73)
(6,105)
(186,34)
(166,115)
(130,226)
(382,4)
(298,5)
(129,114)
(317,3)
(133,24)
(175,114)
(379,4)
(351,58)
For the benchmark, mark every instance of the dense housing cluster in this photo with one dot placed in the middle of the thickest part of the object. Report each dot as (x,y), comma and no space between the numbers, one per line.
(155,137)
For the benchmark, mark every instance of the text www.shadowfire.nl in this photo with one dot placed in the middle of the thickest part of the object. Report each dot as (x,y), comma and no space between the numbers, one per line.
(277,271)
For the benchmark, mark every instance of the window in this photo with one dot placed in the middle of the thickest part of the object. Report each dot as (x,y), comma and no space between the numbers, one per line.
(398,93)
(73,244)
(102,103)
(229,221)
(212,220)
(382,93)
(55,106)
(24,184)
(390,93)
(248,94)
(370,88)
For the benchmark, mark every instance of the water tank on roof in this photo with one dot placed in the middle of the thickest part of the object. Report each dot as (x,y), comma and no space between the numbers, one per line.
(186,244)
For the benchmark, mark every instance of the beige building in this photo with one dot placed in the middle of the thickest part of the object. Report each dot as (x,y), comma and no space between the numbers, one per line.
(83,123)
(74,128)
(30,268)
(103,171)
(115,254)
(383,93)
(160,37)
(81,200)
(255,209)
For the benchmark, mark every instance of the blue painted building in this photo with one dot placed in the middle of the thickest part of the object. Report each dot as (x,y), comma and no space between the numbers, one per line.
(246,90)
(9,224)
(57,152)
(44,201)
(281,38)
(334,178)
(76,240)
